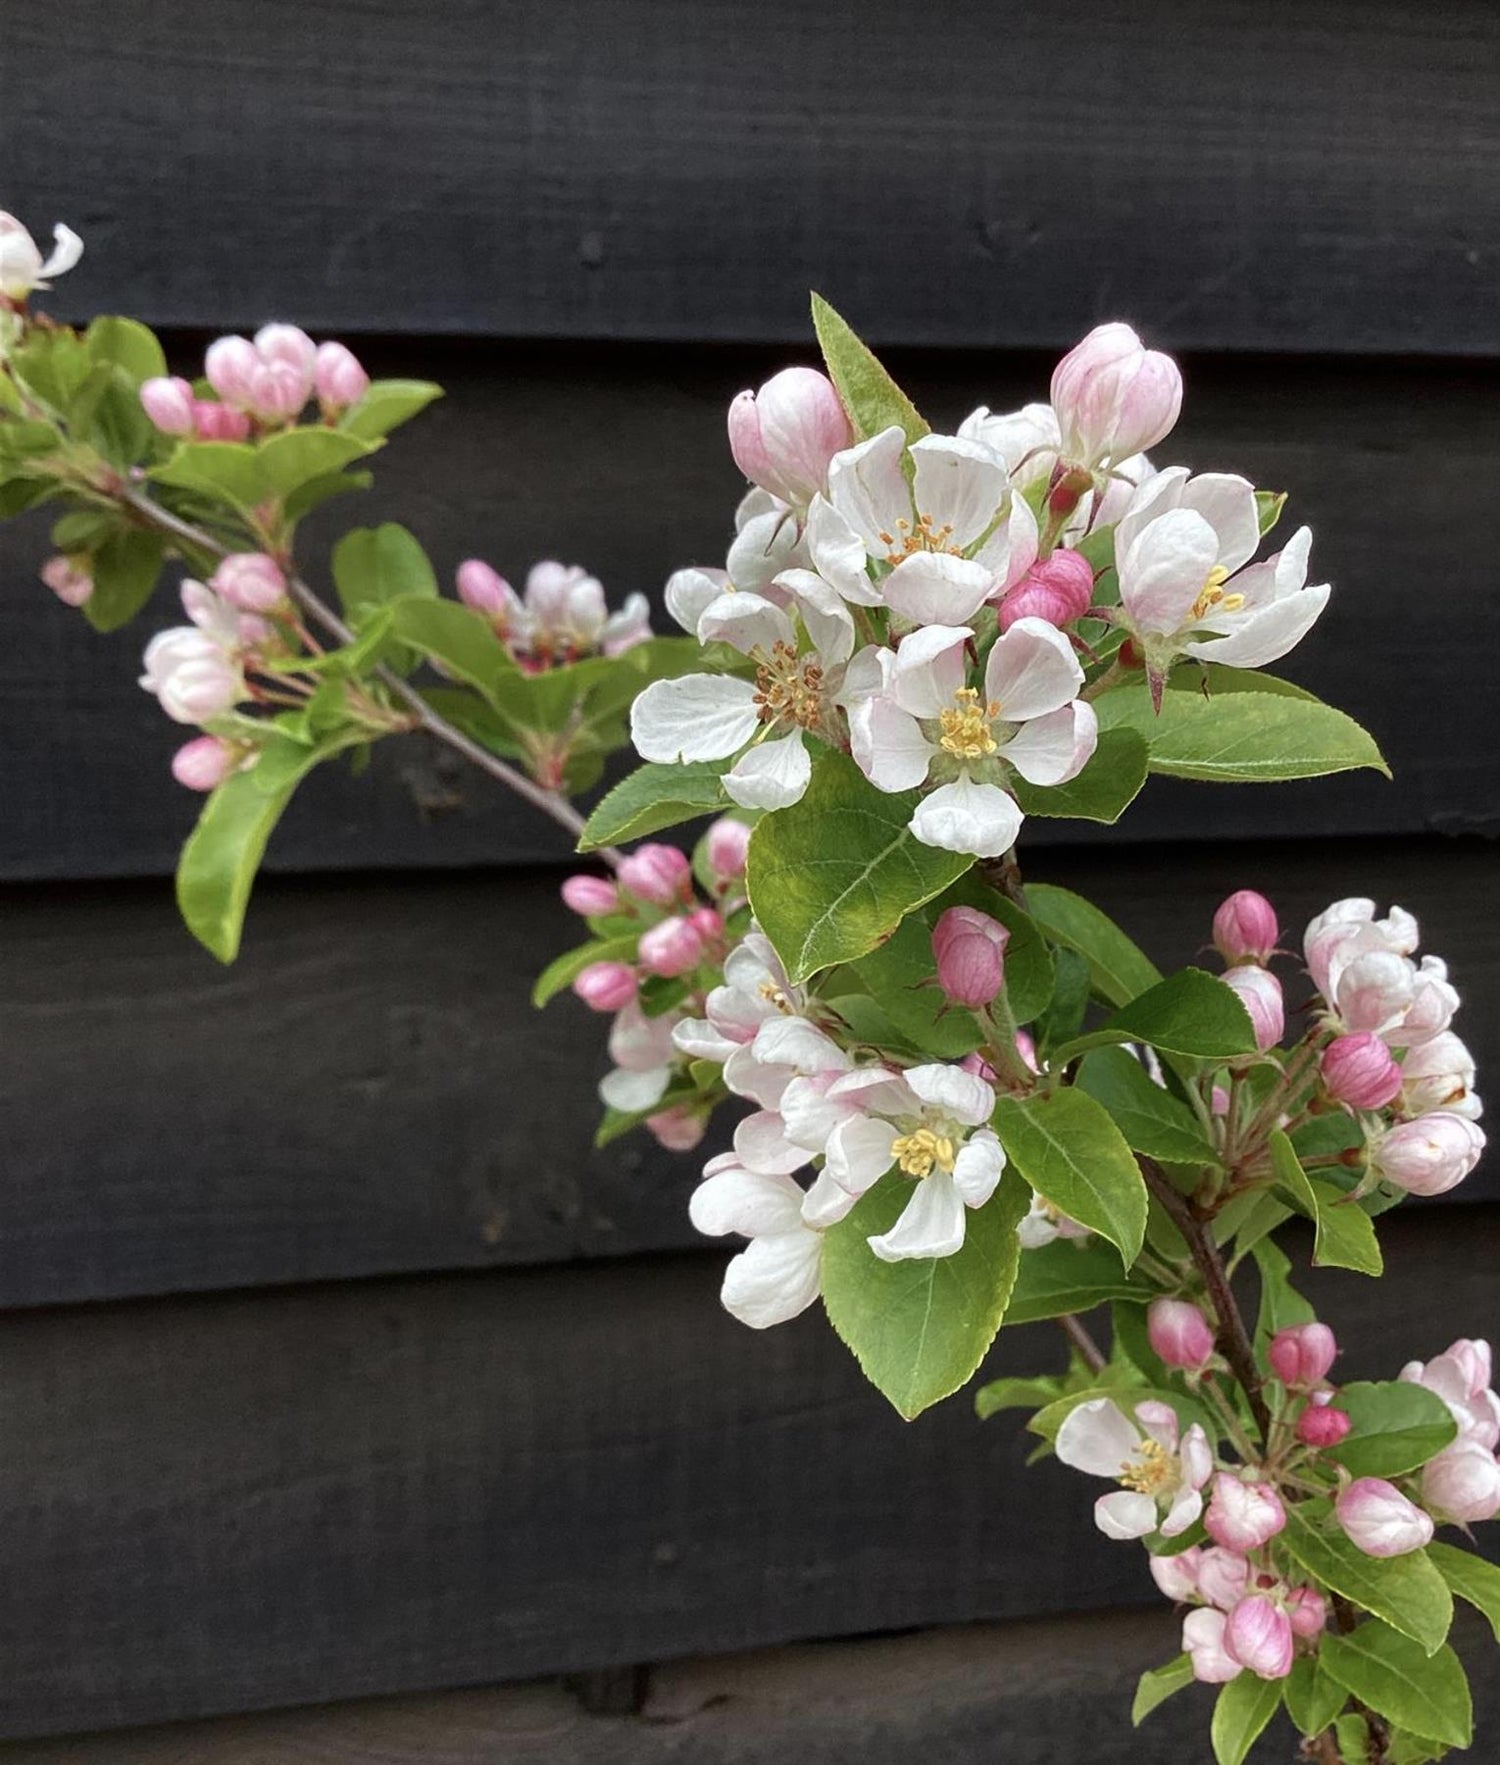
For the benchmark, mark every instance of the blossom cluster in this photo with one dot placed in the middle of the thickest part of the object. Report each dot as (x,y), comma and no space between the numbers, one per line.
(261,384)
(560,617)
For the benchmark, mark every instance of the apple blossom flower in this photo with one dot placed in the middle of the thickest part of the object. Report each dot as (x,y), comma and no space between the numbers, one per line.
(1245,928)
(195,670)
(1030,443)
(656,873)
(643,1052)
(1223,1576)
(776,1276)
(1439,1074)
(1460,1376)
(913,715)
(755,991)
(968,948)
(1156,1470)
(606,986)
(170,404)
(1177,1576)
(727,848)
(678,1129)
(1259,991)
(1379,1520)
(768,539)
(1430,1155)
(784,436)
(1242,1516)
(481,587)
(270,379)
(251,581)
(1320,1424)
(203,763)
(672,947)
(1113,397)
(218,422)
(1308,1611)
(1352,917)
(1179,1333)
(1301,1354)
(1058,589)
(1358,1070)
(566,611)
(1203,1643)
(1258,1634)
(1462,1483)
(69,579)
(338,377)
(22,267)
(1044,1224)
(590,896)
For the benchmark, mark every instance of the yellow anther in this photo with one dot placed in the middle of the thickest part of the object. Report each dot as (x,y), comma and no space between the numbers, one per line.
(966,728)
(1213,598)
(1152,1471)
(775,997)
(922,1152)
(789,690)
(923,536)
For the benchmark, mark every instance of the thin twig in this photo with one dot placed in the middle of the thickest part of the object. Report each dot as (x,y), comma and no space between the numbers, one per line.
(1090,1351)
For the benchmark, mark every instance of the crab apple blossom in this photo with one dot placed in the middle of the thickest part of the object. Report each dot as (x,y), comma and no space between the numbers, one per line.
(1245,928)
(1308,1611)
(251,581)
(1439,1075)
(968,948)
(672,947)
(913,716)
(1379,1520)
(755,991)
(1258,1634)
(1177,1576)
(1058,589)
(1360,1071)
(784,436)
(170,404)
(643,1052)
(1460,1376)
(1160,1474)
(606,986)
(678,1129)
(656,873)
(1259,991)
(727,847)
(1179,1333)
(1241,1515)
(68,579)
(1223,1576)
(1428,1156)
(23,269)
(339,378)
(1113,397)
(1203,1643)
(1354,917)
(203,763)
(1300,1355)
(1462,1483)
(590,896)
(1320,1424)
(776,1276)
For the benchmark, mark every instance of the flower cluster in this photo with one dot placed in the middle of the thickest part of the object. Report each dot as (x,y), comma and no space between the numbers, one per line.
(560,618)
(260,385)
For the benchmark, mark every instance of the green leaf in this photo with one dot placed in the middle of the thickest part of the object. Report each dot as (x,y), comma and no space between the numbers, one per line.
(317,491)
(1268,507)
(1105,788)
(1191,1013)
(1398,1425)
(125,568)
(1242,737)
(1157,1685)
(218,864)
(652,797)
(1073,1155)
(225,471)
(1063,1018)
(372,565)
(1152,1120)
(1425,1693)
(455,636)
(1280,1304)
(871,397)
(919,1329)
(296,457)
(1018,1394)
(1408,1592)
(1344,1232)
(1070,1275)
(128,345)
(110,413)
(563,970)
(1243,1709)
(833,875)
(387,405)
(1313,1700)
(1119,969)
(1475,1581)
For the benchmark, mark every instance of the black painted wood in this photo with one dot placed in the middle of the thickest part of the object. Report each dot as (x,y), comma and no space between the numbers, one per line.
(368,1091)
(617,457)
(249,1501)
(687,169)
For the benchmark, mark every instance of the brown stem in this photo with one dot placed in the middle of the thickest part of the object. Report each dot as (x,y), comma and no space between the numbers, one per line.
(1004,876)
(1322,1749)
(1233,1338)
(1077,1334)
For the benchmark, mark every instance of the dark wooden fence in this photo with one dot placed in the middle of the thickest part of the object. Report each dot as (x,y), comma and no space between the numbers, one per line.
(334,1362)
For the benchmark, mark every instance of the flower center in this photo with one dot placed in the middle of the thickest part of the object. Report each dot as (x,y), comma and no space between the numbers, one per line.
(907,540)
(1152,1471)
(774,996)
(1213,595)
(787,689)
(966,732)
(920,1153)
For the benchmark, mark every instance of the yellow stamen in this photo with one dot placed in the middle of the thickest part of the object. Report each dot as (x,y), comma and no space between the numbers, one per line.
(908,539)
(1152,1471)
(788,690)
(773,995)
(1213,597)
(966,729)
(921,1153)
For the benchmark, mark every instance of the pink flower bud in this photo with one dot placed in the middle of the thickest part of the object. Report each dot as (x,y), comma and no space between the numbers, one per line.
(708,924)
(169,404)
(1245,928)
(483,588)
(1260,993)
(338,377)
(1321,1425)
(229,365)
(673,947)
(1203,1641)
(1301,1355)
(969,949)
(679,1129)
(1243,1516)
(1113,397)
(1059,589)
(1026,1048)
(590,896)
(659,874)
(783,436)
(1177,1577)
(1430,1155)
(289,345)
(1379,1520)
(1308,1611)
(1358,1070)
(1223,1576)
(1462,1483)
(1258,1634)
(606,986)
(192,674)
(203,763)
(727,844)
(278,390)
(251,581)
(1179,1333)
(219,422)
(68,580)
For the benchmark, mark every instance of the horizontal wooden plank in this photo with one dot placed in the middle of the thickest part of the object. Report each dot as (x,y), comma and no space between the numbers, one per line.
(368,1091)
(1044,1690)
(689,168)
(251,1501)
(617,457)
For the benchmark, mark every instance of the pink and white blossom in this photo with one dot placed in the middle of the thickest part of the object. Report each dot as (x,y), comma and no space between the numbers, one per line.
(1203,1642)
(23,269)
(1439,1074)
(1259,991)
(1160,1474)
(1258,1634)
(1245,928)
(1359,1070)
(1243,1515)
(1113,397)
(1223,1576)
(777,1275)
(204,763)
(1461,1376)
(1379,1520)
(784,436)
(1430,1155)
(1301,1355)
(69,579)
(1462,1484)
(1044,1224)
(1179,1333)
(642,1050)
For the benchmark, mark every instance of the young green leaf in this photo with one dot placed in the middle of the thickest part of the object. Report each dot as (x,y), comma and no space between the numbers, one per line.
(563,970)
(652,797)
(1073,1155)
(1152,1120)
(1157,1685)
(296,457)
(462,641)
(1408,1592)
(1191,1013)
(871,397)
(1475,1581)
(1119,969)
(128,345)
(125,568)
(1397,1426)
(223,471)
(1070,1275)
(833,875)
(1242,737)
(372,565)
(1105,788)
(1313,1700)
(1242,1710)
(919,1329)
(1344,1232)
(1018,1394)
(387,405)
(1280,1304)
(1425,1693)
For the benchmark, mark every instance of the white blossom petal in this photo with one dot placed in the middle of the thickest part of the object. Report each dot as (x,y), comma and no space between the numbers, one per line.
(761,1145)
(689,592)
(1164,572)
(1057,747)
(772,774)
(931,1223)
(839,554)
(1125,1514)
(959,485)
(1011,549)
(968,817)
(747,622)
(67,248)
(978,1168)
(1032,669)
(826,1202)
(929,669)
(1265,634)
(773,1278)
(1097,1437)
(858,1152)
(737,1200)
(1227,502)
(796,1043)
(766,542)
(868,487)
(695,717)
(824,612)
(888,745)
(1186,1506)
(932,588)
(631,1092)
(963,1096)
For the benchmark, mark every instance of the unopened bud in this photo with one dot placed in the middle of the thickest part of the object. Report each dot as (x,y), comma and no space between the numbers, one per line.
(1243,1516)
(169,404)
(1430,1155)
(218,422)
(1245,928)
(728,847)
(338,377)
(679,1129)
(203,763)
(1179,1333)
(1177,1577)
(1308,1611)
(1379,1520)
(1463,1483)
(287,344)
(1114,397)
(1258,1634)
(655,873)
(969,949)
(1259,992)
(1359,1070)
(1059,589)
(68,580)
(230,365)
(1321,1425)
(1301,1355)
(590,896)
(250,581)
(606,986)
(672,948)
(784,436)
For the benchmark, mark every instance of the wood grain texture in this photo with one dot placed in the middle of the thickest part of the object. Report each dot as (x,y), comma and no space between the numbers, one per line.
(617,457)
(250,1501)
(368,1091)
(689,168)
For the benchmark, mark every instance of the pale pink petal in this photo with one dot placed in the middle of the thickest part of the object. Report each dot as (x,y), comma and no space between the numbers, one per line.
(1032,669)
(868,487)
(1267,633)
(1125,1514)
(773,1279)
(824,612)
(962,1096)
(978,1168)
(695,717)
(1098,1437)
(1227,503)
(929,669)
(1164,572)
(888,745)
(858,1152)
(762,1146)
(931,1223)
(959,486)
(737,1200)
(771,775)
(931,588)
(839,553)
(827,1202)
(968,817)
(746,622)
(1057,747)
